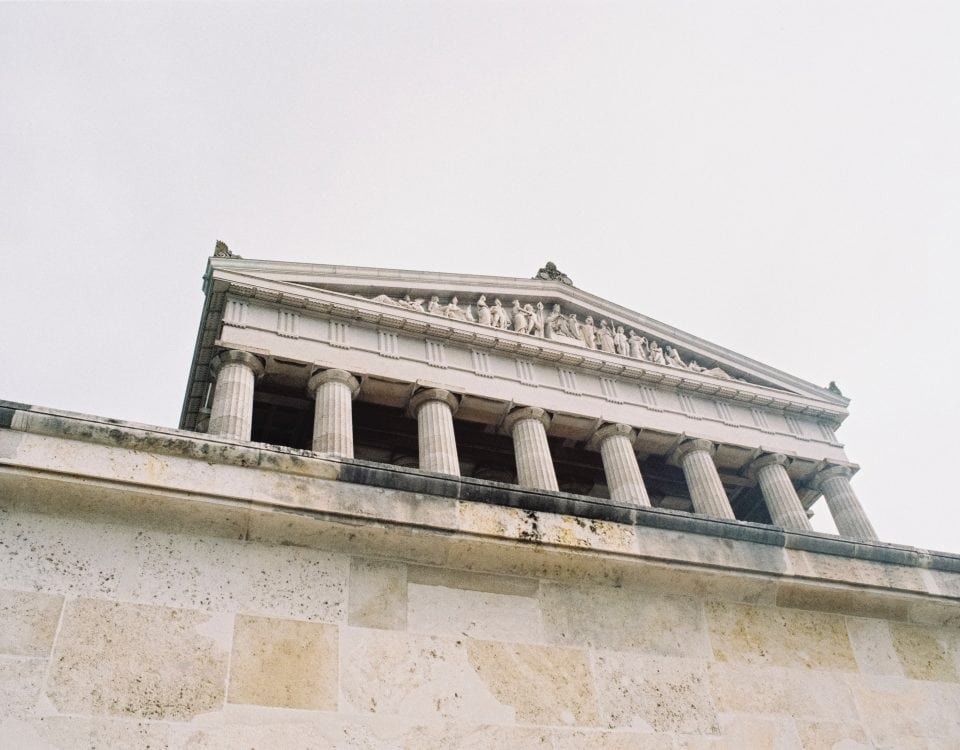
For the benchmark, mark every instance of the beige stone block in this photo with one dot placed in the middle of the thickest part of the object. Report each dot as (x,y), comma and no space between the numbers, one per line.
(70,732)
(622,618)
(779,637)
(873,646)
(739,732)
(472,581)
(798,693)
(439,610)
(923,655)
(897,712)
(422,679)
(378,594)
(863,572)
(544,684)
(476,737)
(285,663)
(601,740)
(138,660)
(236,576)
(20,684)
(654,693)
(842,600)
(815,735)
(28,622)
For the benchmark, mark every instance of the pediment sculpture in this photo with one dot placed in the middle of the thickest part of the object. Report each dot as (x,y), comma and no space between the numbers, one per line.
(533,320)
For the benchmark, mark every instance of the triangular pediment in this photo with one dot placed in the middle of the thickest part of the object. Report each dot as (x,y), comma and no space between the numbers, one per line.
(554,316)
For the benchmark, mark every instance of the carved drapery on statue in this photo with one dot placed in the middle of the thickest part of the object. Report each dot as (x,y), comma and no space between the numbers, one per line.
(534,320)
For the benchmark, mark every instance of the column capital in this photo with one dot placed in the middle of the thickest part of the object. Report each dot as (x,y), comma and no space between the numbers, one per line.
(526,412)
(689,446)
(432,394)
(333,376)
(236,356)
(768,459)
(609,430)
(829,473)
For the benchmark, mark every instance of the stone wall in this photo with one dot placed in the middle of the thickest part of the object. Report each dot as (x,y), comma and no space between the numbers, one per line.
(141,613)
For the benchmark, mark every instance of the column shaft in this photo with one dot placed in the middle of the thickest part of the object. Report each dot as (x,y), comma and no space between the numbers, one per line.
(846,510)
(703,481)
(781,497)
(532,451)
(231,414)
(334,391)
(621,468)
(438,444)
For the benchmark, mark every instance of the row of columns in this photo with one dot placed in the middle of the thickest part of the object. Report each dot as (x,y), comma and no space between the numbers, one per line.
(334,390)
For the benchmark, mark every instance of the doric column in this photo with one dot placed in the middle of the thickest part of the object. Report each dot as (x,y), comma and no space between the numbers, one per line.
(781,497)
(848,515)
(695,457)
(231,414)
(333,391)
(434,410)
(528,428)
(615,443)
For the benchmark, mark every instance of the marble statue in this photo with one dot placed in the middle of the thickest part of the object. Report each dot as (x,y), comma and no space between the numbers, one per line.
(605,338)
(453,311)
(498,316)
(656,354)
(434,307)
(551,273)
(411,304)
(695,366)
(483,311)
(557,324)
(588,333)
(534,319)
(620,342)
(673,357)
(518,317)
(636,344)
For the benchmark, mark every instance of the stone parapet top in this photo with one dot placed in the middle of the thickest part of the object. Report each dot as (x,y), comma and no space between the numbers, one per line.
(49,460)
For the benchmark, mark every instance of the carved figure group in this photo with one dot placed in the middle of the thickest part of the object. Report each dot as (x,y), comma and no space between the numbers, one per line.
(533,321)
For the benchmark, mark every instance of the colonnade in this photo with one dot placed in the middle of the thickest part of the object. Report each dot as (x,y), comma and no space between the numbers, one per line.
(333,391)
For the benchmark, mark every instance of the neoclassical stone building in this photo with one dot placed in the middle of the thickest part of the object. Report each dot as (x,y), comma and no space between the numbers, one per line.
(421,510)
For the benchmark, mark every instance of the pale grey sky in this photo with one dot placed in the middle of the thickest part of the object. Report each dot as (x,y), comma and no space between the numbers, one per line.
(780,178)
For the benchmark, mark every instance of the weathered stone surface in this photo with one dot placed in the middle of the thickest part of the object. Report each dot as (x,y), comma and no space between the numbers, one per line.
(897,712)
(828,734)
(421,678)
(602,740)
(779,637)
(654,693)
(799,693)
(137,660)
(922,654)
(476,737)
(378,594)
(606,617)
(475,614)
(472,581)
(543,684)
(231,575)
(20,683)
(873,646)
(69,732)
(285,663)
(28,622)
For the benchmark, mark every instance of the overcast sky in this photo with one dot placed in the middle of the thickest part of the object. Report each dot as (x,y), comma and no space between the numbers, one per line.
(780,178)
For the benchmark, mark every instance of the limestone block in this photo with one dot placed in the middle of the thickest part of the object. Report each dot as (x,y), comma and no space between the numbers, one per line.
(69,732)
(20,684)
(923,655)
(654,693)
(472,581)
(873,646)
(28,622)
(897,712)
(236,576)
(378,594)
(605,617)
(476,737)
(601,740)
(423,679)
(739,732)
(798,693)
(137,660)
(543,684)
(779,637)
(440,610)
(842,736)
(285,663)
(63,556)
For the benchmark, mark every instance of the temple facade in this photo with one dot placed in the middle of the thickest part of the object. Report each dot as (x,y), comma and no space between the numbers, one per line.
(531,382)
(409,510)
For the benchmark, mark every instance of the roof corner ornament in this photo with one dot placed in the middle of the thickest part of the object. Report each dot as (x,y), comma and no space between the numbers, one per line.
(221,250)
(550,272)
(834,388)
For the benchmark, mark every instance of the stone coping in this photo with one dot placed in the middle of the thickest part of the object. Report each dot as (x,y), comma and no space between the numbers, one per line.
(217,450)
